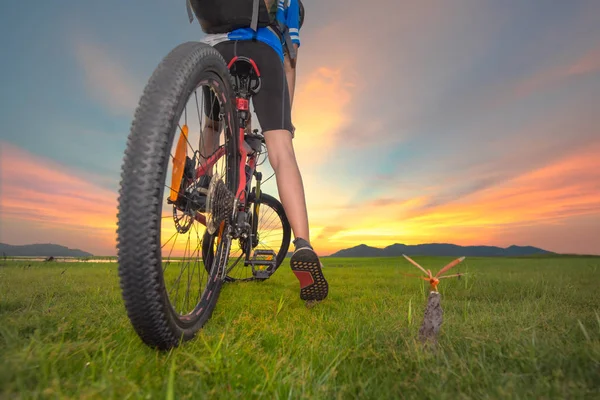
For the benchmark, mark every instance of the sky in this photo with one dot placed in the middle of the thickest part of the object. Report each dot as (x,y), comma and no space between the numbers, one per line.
(470,122)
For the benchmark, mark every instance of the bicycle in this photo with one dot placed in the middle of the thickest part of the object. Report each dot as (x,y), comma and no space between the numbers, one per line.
(209,188)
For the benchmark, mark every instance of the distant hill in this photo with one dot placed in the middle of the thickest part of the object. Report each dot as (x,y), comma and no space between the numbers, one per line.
(439,249)
(41,250)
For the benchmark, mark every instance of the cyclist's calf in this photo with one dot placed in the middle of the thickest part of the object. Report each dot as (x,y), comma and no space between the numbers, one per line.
(280,148)
(209,138)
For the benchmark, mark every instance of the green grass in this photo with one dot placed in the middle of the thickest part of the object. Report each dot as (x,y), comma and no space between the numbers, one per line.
(514,328)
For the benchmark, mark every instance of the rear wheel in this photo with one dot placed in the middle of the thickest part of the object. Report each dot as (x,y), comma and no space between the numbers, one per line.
(168,292)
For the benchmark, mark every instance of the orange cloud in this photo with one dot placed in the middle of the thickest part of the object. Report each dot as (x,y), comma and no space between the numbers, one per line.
(43,201)
(551,195)
(320,112)
(588,63)
(567,188)
(40,197)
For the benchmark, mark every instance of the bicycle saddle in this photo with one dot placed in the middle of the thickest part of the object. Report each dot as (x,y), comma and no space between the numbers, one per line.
(246,75)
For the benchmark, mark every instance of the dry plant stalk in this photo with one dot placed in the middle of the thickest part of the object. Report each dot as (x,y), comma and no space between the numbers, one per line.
(433,317)
(432,320)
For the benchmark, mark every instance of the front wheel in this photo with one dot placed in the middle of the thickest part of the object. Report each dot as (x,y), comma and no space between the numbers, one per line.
(270,233)
(168,293)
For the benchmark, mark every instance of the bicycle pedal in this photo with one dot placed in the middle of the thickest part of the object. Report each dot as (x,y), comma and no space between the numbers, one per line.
(261,274)
(263,263)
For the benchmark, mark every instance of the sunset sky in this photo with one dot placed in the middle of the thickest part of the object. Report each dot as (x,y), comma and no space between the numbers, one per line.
(468,122)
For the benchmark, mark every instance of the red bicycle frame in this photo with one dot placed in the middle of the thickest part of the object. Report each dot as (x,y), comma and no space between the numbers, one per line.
(242,109)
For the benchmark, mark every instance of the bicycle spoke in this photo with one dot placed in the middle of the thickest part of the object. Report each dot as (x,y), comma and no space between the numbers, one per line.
(171,251)
(187,292)
(186,268)
(200,270)
(175,234)
(235,263)
(183,216)
(274,218)
(199,120)
(182,195)
(191,274)
(179,279)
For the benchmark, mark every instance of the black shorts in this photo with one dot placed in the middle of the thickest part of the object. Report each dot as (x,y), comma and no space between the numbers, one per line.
(272,102)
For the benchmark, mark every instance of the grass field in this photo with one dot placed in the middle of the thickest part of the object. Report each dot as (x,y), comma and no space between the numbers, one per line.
(514,328)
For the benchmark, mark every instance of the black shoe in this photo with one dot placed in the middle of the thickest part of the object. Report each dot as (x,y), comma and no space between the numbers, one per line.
(308,269)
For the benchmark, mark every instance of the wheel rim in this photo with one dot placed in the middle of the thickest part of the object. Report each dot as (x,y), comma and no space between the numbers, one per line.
(189,283)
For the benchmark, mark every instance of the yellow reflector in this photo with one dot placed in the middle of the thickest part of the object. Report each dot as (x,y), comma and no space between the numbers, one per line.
(179,163)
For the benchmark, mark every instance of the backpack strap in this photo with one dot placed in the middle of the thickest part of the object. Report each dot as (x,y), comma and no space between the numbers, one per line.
(254,23)
(188,6)
(289,44)
(285,34)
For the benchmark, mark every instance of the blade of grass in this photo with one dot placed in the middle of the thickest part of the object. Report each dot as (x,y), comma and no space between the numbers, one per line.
(280,305)
(171,382)
(585,332)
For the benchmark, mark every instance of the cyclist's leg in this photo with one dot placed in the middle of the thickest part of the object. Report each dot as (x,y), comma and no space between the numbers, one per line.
(289,180)
(275,120)
(209,140)
(272,106)
(212,126)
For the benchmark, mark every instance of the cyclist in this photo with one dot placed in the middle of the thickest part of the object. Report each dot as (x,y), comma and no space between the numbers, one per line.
(272,105)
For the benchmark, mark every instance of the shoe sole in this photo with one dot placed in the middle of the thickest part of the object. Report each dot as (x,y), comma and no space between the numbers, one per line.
(307,268)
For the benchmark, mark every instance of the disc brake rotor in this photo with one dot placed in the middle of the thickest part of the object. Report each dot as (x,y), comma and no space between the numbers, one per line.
(183,221)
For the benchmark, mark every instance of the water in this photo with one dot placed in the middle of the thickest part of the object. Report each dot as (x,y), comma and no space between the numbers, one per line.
(65,259)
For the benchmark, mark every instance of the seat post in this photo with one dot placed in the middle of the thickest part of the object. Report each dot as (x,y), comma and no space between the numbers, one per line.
(247,82)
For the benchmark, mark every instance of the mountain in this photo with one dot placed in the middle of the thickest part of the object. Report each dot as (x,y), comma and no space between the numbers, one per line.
(361,250)
(439,249)
(41,250)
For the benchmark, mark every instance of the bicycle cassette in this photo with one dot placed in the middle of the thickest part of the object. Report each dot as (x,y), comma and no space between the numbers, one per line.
(219,204)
